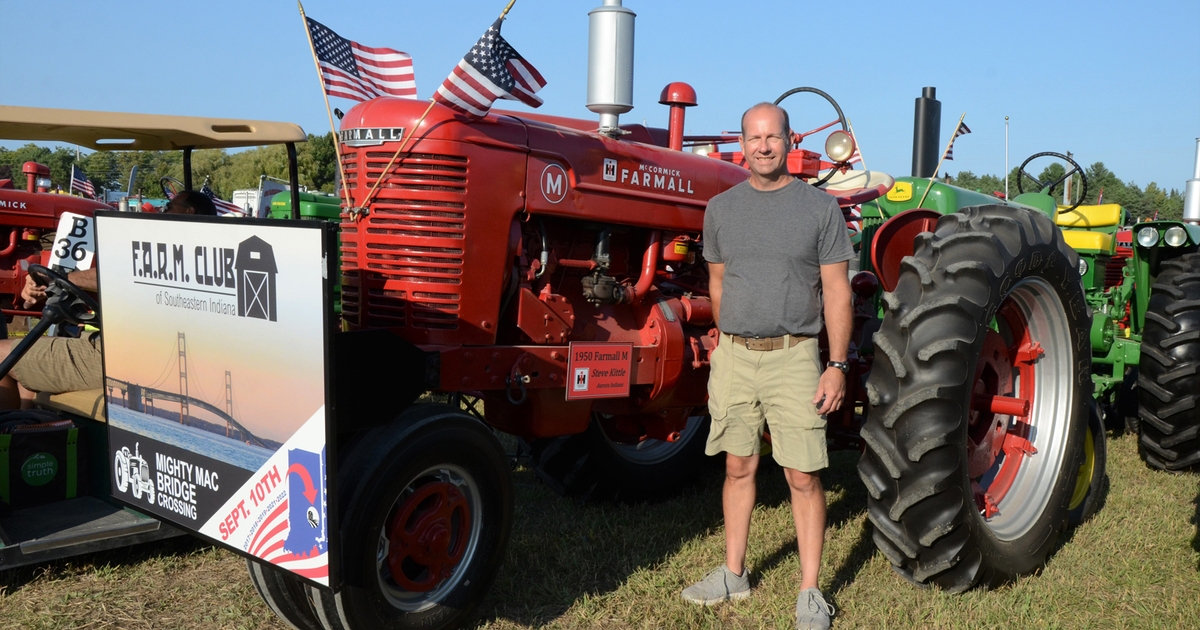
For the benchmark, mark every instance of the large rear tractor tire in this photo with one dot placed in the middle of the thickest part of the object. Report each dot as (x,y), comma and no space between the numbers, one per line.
(594,465)
(1168,379)
(284,594)
(426,507)
(980,392)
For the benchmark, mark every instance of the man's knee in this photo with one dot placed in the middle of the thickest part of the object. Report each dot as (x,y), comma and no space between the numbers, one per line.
(802,482)
(738,467)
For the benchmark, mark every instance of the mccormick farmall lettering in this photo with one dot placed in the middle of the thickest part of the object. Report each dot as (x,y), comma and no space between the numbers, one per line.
(656,177)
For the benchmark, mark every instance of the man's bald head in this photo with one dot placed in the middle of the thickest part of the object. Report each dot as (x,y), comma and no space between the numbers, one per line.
(769,107)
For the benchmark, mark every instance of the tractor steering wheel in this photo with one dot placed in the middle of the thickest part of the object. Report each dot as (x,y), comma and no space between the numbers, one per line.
(1048,188)
(66,299)
(170,186)
(840,119)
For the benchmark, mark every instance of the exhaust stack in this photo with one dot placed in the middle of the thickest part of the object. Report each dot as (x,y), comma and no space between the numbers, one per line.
(1191,192)
(610,63)
(927,124)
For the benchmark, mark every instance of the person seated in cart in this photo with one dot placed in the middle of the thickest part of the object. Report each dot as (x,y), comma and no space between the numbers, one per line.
(55,365)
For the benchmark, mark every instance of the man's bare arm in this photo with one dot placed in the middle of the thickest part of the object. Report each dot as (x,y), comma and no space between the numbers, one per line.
(839,321)
(716,275)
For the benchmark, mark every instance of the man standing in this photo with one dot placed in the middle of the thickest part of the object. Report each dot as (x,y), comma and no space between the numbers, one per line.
(776,249)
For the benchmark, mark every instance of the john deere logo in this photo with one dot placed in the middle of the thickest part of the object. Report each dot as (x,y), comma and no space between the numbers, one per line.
(39,469)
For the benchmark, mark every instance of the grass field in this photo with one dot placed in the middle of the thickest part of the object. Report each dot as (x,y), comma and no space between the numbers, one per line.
(1135,565)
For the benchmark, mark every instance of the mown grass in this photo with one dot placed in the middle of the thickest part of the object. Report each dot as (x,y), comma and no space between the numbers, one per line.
(1136,564)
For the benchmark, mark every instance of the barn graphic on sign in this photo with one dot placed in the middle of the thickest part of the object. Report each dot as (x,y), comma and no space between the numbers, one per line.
(256,279)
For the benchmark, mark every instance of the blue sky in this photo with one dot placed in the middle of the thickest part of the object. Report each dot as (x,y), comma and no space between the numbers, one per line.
(1112,82)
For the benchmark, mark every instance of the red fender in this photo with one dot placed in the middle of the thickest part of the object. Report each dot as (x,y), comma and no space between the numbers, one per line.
(894,240)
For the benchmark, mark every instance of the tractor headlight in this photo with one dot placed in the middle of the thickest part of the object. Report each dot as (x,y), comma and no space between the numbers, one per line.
(839,146)
(1147,237)
(1175,236)
(43,182)
(1083,267)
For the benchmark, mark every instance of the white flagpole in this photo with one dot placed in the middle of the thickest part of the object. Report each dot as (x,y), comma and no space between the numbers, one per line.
(1006,158)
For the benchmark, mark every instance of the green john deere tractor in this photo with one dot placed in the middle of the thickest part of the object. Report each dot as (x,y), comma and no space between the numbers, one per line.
(1009,331)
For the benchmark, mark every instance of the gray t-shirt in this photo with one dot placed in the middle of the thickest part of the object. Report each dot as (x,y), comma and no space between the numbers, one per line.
(772,244)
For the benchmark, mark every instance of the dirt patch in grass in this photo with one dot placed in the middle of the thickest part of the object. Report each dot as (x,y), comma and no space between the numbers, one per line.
(1136,564)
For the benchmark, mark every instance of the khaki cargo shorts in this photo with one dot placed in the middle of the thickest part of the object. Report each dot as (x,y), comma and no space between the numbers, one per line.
(747,388)
(62,364)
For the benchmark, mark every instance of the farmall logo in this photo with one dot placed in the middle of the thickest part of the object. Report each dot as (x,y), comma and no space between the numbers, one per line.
(656,178)
(554,183)
(370,136)
(235,281)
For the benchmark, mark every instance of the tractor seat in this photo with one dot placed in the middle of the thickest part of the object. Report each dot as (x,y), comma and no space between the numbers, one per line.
(1086,240)
(88,403)
(855,187)
(1089,217)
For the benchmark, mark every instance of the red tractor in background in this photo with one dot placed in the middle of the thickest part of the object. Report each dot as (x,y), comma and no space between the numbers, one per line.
(29,215)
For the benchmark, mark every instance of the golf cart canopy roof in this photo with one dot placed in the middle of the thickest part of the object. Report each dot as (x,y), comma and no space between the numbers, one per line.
(115,131)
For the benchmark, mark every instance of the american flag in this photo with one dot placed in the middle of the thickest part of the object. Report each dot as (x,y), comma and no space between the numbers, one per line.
(80,180)
(224,208)
(490,70)
(962,130)
(351,70)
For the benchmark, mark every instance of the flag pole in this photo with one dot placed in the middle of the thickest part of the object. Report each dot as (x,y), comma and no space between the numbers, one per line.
(506,9)
(337,145)
(939,164)
(1006,158)
(854,137)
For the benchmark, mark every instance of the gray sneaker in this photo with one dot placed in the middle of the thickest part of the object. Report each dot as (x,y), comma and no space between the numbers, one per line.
(719,585)
(812,612)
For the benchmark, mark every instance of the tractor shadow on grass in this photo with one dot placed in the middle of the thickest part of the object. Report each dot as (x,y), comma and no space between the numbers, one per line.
(1196,523)
(561,553)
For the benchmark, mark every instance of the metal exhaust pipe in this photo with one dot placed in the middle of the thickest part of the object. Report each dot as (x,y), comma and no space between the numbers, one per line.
(610,64)
(1191,192)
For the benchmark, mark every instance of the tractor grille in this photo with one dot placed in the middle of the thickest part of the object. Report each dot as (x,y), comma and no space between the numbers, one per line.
(410,247)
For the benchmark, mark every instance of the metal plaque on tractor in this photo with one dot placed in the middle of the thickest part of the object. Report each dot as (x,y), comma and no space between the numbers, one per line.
(215,345)
(599,370)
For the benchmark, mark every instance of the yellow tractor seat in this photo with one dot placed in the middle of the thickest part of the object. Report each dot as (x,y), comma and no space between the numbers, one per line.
(1087,240)
(88,403)
(1087,217)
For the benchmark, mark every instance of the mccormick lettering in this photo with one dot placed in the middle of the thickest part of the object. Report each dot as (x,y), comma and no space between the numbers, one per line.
(12,205)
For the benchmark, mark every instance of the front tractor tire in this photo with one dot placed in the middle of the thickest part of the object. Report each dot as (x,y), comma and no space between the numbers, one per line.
(426,507)
(1168,380)
(980,392)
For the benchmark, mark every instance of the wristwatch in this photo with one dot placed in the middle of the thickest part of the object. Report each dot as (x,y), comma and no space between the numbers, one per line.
(841,365)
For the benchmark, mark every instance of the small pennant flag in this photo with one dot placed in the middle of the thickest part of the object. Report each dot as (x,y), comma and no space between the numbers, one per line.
(80,182)
(491,70)
(962,130)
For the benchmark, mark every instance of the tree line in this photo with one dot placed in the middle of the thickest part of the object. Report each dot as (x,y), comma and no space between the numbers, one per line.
(1141,203)
(226,171)
(318,168)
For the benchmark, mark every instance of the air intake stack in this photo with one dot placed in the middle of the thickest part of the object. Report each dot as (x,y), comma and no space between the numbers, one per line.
(927,124)
(610,63)
(1191,192)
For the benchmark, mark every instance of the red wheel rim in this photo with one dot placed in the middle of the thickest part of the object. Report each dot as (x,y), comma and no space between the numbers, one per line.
(998,432)
(428,536)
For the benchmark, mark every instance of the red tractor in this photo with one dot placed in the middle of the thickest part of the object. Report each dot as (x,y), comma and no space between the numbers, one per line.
(29,215)
(541,276)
